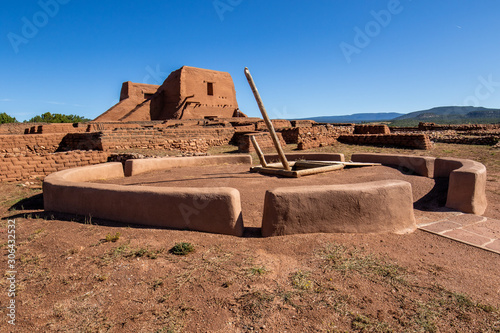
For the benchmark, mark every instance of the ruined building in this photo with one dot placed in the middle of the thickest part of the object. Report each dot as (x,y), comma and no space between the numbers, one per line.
(187,93)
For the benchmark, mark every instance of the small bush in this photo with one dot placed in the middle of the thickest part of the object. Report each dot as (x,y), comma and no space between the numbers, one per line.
(182,249)
(112,238)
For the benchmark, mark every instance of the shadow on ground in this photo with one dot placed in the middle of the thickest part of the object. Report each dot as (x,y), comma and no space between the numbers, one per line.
(435,200)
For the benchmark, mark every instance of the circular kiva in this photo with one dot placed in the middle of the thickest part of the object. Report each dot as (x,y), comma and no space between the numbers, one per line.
(370,207)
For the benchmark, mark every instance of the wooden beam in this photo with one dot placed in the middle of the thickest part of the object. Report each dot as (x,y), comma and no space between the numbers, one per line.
(313,171)
(268,122)
(259,152)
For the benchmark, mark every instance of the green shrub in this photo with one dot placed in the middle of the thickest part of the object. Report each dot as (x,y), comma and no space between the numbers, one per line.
(182,249)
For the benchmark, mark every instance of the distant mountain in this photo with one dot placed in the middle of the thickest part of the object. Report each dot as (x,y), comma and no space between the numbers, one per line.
(447,111)
(439,115)
(449,115)
(356,118)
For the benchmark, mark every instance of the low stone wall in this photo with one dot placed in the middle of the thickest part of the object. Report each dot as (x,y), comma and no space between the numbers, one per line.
(371,129)
(42,143)
(489,139)
(57,128)
(17,128)
(263,139)
(216,210)
(315,136)
(277,124)
(414,141)
(302,123)
(17,167)
(467,127)
(195,139)
(467,184)
(380,206)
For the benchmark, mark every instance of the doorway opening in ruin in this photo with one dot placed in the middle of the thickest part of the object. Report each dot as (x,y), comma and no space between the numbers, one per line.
(210,88)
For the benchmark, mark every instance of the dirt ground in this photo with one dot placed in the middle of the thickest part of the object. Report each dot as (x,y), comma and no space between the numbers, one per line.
(81,274)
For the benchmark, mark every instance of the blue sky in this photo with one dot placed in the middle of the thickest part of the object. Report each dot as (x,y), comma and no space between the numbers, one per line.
(308,58)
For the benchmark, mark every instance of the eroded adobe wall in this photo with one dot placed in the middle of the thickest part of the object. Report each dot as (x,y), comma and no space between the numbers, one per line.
(56,128)
(315,136)
(371,129)
(23,166)
(278,124)
(489,139)
(17,128)
(264,140)
(463,127)
(40,143)
(414,141)
(191,139)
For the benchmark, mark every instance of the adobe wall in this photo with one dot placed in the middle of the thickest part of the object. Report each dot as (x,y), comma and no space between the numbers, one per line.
(132,95)
(295,134)
(193,139)
(17,167)
(150,135)
(467,184)
(216,210)
(421,165)
(17,128)
(303,123)
(42,143)
(56,128)
(137,166)
(463,127)
(380,206)
(371,129)
(488,140)
(413,141)
(471,134)
(195,93)
(263,139)
(466,178)
(277,124)
(320,135)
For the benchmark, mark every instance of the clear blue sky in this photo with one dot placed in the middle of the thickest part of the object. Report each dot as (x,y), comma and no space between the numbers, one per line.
(308,58)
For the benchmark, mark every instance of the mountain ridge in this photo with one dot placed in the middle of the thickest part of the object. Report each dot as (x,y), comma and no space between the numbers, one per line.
(441,114)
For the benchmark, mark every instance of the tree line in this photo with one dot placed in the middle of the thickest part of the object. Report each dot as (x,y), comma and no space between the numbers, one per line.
(47,117)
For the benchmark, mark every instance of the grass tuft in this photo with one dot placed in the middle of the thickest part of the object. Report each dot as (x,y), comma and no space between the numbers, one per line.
(300,280)
(257,271)
(182,249)
(112,238)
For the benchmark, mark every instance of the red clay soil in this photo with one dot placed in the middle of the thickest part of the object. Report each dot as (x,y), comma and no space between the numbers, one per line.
(79,275)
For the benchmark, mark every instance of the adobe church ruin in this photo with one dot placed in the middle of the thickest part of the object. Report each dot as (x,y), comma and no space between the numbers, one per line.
(187,93)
